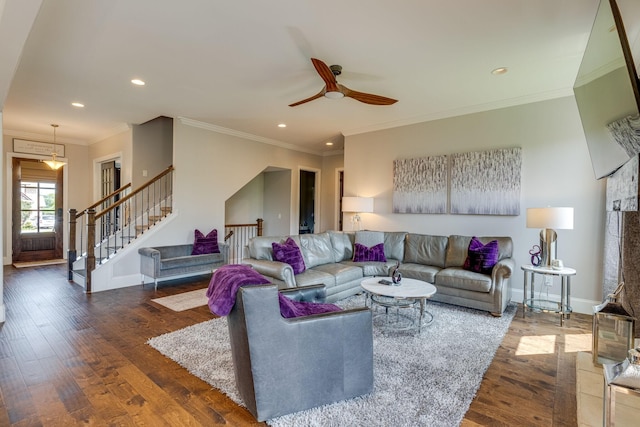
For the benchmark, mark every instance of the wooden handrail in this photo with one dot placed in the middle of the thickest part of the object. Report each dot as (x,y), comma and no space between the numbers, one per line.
(101,201)
(136,191)
(115,229)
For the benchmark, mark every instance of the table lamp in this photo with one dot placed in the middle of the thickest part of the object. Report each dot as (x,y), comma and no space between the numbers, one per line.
(357,205)
(549,219)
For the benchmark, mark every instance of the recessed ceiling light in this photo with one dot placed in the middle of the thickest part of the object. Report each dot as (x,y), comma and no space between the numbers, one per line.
(282,125)
(78,104)
(137,82)
(499,71)
(328,143)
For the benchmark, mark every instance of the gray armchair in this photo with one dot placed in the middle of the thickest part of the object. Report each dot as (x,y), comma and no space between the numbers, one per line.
(289,365)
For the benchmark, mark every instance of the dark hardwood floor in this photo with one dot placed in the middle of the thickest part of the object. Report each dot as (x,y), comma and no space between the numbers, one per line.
(68,359)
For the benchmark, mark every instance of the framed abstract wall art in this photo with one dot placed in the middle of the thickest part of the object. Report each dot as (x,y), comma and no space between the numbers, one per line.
(420,185)
(486,182)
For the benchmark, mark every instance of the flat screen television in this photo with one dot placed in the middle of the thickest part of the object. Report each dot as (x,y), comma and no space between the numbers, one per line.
(606,88)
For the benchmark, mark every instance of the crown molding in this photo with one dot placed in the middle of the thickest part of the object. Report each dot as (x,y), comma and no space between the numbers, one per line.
(479,108)
(600,71)
(226,131)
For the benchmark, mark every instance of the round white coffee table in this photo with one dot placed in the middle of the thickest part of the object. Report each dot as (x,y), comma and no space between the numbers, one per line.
(405,295)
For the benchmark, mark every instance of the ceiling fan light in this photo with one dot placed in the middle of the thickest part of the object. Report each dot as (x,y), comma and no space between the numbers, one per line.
(334,95)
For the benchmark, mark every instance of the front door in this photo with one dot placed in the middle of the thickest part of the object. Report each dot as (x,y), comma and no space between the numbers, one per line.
(37,211)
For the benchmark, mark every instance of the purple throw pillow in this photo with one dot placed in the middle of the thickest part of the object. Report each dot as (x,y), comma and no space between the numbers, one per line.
(361,253)
(205,244)
(481,258)
(289,253)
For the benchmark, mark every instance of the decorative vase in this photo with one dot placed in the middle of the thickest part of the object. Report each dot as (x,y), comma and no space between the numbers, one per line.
(396,276)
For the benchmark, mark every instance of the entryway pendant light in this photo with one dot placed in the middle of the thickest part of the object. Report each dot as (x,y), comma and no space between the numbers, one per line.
(53,163)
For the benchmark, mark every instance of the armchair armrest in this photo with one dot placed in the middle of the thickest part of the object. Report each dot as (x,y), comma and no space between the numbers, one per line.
(311,293)
(276,269)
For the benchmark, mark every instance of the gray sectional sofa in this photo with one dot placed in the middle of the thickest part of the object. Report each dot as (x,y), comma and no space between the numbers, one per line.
(434,259)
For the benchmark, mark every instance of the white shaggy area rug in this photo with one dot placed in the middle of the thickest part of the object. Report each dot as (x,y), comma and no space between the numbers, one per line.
(426,379)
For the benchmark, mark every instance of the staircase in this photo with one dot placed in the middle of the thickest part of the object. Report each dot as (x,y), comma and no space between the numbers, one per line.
(112,223)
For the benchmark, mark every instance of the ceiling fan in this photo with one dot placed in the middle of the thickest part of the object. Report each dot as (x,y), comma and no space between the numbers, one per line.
(335,90)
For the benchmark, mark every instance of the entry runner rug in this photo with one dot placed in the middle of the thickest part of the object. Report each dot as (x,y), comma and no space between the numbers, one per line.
(426,379)
(39,263)
(185,300)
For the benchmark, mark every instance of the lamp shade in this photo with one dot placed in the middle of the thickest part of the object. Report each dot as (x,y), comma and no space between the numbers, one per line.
(557,218)
(357,204)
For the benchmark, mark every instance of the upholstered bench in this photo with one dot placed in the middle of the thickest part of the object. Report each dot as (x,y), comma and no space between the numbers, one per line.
(176,260)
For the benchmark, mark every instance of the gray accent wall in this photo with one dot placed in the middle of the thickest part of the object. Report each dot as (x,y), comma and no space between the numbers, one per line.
(152,149)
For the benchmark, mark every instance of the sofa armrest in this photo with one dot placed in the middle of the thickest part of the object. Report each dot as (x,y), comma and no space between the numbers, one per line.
(502,270)
(311,293)
(150,252)
(276,269)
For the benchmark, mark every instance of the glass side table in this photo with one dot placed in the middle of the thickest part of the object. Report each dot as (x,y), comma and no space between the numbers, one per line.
(562,307)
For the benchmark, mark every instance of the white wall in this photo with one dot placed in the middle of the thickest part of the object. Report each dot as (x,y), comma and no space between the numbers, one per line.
(246,205)
(2,249)
(329,199)
(77,183)
(119,146)
(209,168)
(556,171)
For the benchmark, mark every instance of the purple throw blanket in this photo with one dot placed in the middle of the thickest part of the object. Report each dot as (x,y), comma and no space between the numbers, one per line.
(227,279)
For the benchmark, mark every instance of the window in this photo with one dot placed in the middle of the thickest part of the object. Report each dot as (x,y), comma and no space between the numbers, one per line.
(38,206)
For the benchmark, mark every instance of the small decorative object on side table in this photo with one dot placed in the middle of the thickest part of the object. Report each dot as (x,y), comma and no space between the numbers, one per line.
(621,377)
(396,276)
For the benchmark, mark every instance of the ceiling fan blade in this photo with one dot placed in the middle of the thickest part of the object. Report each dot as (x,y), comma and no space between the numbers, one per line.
(367,98)
(326,74)
(311,98)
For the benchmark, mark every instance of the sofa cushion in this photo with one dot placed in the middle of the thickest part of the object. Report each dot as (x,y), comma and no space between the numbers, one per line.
(457,277)
(288,252)
(372,268)
(312,276)
(205,244)
(316,249)
(425,249)
(481,258)
(394,244)
(426,273)
(260,247)
(459,246)
(189,261)
(361,253)
(343,273)
(342,244)
(369,238)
